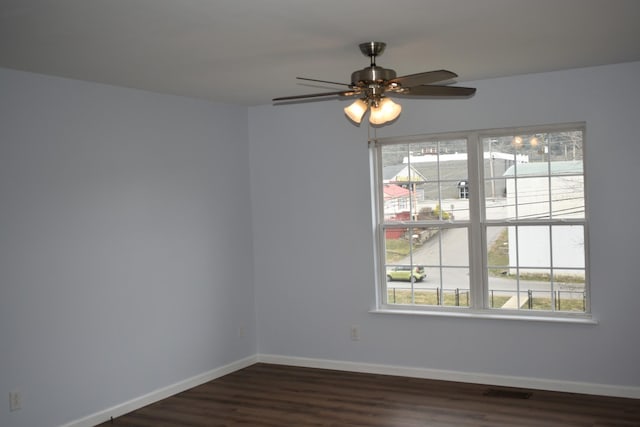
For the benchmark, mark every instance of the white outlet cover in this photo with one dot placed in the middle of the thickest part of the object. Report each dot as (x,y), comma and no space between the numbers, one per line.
(15,401)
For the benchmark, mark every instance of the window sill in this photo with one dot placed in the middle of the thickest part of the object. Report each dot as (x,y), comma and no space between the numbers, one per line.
(584,319)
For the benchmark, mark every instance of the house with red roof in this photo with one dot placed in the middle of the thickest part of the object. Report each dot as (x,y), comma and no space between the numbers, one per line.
(397,202)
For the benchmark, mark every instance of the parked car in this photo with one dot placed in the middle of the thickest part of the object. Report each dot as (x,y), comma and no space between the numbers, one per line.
(405,272)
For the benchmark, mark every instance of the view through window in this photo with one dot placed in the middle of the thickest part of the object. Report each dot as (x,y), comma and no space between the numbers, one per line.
(484,220)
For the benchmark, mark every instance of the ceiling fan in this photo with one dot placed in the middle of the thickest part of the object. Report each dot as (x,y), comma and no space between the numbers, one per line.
(373,85)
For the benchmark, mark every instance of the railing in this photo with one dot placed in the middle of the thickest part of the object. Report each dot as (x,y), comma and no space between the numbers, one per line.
(439,296)
(498,298)
(573,300)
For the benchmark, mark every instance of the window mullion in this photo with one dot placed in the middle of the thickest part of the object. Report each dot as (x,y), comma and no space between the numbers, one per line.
(378,213)
(477,272)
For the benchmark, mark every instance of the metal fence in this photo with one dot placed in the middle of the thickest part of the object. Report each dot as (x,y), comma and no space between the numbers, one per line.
(529,299)
(458,297)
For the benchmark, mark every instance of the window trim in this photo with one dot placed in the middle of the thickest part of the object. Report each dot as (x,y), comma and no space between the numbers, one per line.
(479,306)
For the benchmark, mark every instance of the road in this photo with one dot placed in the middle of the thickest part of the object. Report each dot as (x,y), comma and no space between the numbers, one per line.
(453,252)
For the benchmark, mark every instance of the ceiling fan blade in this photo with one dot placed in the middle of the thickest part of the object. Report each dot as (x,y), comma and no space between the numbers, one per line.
(424,78)
(433,90)
(323,81)
(316,95)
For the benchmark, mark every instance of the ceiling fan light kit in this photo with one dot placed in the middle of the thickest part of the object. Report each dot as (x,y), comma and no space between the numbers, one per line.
(386,111)
(373,85)
(356,111)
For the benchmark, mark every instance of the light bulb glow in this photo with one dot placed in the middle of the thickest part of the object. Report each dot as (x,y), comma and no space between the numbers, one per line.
(386,111)
(356,111)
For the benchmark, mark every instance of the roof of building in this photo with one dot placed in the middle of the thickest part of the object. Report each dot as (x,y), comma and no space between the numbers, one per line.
(570,167)
(392,191)
(391,171)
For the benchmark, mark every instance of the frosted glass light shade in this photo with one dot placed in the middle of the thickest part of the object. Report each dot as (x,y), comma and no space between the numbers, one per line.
(356,111)
(386,111)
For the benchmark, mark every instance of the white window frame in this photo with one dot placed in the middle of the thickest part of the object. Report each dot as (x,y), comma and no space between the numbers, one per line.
(479,305)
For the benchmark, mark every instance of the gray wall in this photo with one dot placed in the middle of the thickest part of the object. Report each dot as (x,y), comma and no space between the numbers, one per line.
(312,234)
(125,244)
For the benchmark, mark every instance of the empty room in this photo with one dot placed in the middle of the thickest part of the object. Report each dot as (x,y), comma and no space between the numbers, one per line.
(304,213)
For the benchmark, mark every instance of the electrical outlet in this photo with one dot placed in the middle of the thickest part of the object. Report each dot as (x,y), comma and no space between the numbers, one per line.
(355,333)
(15,401)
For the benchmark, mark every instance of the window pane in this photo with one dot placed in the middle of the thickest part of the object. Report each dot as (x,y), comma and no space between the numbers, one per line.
(551,296)
(455,292)
(431,193)
(398,246)
(454,190)
(568,249)
(397,203)
(455,286)
(497,250)
(455,247)
(565,146)
(567,196)
(569,272)
(422,253)
(496,208)
(418,294)
(511,200)
(500,297)
(527,198)
(529,277)
(532,199)
(539,295)
(393,155)
(438,172)
(446,257)
(500,147)
(519,265)
(499,156)
(502,268)
(458,210)
(529,292)
(533,249)
(427,246)
(520,167)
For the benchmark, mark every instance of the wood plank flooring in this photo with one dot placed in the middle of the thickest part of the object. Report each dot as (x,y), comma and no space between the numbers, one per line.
(266,395)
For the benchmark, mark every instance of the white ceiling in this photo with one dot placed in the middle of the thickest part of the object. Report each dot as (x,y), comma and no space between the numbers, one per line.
(249,51)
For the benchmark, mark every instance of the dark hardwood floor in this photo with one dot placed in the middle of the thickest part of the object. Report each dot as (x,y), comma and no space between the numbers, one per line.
(275,396)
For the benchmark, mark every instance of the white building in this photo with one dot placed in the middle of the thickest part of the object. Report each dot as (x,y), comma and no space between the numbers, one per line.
(544,190)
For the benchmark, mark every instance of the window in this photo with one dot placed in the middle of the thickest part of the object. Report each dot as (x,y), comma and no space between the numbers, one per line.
(463,190)
(483,222)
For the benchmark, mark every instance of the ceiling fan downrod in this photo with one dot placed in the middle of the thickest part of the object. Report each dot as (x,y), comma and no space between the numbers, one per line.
(372,49)
(373,73)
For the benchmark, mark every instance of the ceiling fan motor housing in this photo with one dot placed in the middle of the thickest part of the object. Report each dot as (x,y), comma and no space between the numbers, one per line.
(369,75)
(372,80)
(372,75)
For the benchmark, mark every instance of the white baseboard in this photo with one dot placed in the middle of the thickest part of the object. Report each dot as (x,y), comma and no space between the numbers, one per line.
(162,393)
(466,377)
(339,365)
